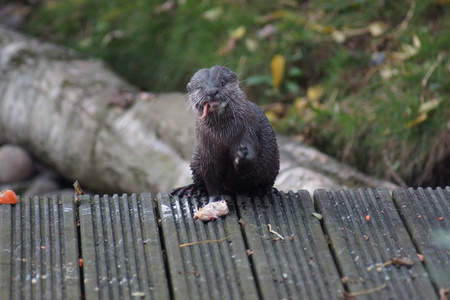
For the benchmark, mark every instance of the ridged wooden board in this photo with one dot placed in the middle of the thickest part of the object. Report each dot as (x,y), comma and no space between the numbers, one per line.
(366,231)
(426,213)
(205,260)
(39,249)
(121,249)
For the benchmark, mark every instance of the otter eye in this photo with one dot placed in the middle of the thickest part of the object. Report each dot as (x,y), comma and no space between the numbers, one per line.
(223,83)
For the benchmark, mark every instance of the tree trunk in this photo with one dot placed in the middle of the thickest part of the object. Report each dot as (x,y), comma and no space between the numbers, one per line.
(66,110)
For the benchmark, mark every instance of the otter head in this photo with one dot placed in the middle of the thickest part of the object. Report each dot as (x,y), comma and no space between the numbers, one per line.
(213,91)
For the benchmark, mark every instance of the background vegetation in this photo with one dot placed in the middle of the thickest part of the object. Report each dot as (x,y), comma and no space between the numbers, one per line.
(366,81)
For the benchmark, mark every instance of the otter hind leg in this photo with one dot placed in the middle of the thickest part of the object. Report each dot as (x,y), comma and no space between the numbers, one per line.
(191,190)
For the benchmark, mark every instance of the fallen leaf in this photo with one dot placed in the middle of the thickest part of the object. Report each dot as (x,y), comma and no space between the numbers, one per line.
(318,216)
(277,65)
(420,119)
(338,36)
(238,33)
(428,106)
(301,103)
(377,28)
(416,41)
(406,52)
(213,13)
(313,93)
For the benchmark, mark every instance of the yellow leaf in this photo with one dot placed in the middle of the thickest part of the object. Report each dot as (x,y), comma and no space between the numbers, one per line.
(277,65)
(416,41)
(313,93)
(272,117)
(429,106)
(376,28)
(300,104)
(406,52)
(238,33)
(420,118)
(338,36)
(251,44)
(213,13)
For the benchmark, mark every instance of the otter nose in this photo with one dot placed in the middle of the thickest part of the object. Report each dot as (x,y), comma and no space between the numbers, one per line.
(212,91)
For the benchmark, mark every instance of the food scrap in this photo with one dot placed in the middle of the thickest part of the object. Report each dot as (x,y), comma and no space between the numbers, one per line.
(368,217)
(444,293)
(212,211)
(8,197)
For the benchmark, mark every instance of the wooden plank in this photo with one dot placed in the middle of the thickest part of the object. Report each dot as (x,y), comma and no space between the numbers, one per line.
(6,246)
(299,266)
(360,244)
(217,267)
(120,247)
(42,250)
(426,213)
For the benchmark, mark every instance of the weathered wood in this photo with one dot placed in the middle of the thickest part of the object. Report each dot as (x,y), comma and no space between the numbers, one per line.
(426,214)
(301,265)
(127,255)
(39,253)
(6,245)
(121,249)
(217,266)
(360,244)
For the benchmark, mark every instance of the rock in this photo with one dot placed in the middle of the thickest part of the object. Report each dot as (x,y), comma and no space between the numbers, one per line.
(15,164)
(43,185)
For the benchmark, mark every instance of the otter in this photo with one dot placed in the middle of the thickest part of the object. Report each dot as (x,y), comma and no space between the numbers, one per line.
(236,150)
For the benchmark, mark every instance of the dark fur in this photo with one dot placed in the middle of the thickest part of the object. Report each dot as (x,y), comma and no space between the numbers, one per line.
(236,151)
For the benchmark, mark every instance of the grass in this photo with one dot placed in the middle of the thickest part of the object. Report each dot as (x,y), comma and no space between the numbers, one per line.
(365,81)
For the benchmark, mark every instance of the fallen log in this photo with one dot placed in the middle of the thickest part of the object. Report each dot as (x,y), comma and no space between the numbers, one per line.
(65,110)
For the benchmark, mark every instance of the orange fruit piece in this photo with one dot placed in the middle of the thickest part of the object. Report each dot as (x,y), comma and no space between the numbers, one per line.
(8,197)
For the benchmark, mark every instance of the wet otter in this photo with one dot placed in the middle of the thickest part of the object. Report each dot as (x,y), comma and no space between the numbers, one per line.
(236,150)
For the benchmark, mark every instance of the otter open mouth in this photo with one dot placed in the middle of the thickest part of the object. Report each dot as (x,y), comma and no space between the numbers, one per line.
(207,107)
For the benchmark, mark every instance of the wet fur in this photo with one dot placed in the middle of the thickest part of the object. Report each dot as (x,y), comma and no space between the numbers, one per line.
(236,150)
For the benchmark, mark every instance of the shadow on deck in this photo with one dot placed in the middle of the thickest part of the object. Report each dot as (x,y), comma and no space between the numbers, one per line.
(366,245)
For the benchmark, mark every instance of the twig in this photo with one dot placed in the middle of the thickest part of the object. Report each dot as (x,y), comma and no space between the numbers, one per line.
(392,172)
(402,26)
(274,232)
(440,58)
(347,295)
(207,241)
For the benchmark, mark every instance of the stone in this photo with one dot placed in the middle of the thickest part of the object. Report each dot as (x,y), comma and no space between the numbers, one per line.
(15,164)
(44,184)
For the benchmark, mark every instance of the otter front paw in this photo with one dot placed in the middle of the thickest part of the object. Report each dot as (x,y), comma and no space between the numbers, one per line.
(241,154)
(244,160)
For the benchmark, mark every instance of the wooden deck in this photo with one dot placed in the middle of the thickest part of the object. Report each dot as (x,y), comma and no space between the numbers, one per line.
(136,247)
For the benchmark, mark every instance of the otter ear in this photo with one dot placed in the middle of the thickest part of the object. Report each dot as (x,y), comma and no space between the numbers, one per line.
(188,87)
